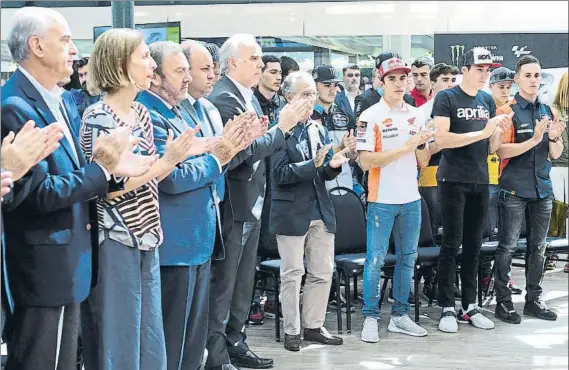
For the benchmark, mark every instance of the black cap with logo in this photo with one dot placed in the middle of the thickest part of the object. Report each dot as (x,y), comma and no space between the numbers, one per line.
(479,56)
(325,74)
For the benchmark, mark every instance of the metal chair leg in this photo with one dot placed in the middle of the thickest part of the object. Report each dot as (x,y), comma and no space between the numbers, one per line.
(348,302)
(417,279)
(338,301)
(355,287)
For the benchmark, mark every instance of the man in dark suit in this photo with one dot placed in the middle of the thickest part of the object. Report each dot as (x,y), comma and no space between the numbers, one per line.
(345,99)
(50,261)
(302,217)
(188,236)
(232,277)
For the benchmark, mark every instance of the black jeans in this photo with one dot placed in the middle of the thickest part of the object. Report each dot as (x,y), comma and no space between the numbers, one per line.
(464,210)
(538,213)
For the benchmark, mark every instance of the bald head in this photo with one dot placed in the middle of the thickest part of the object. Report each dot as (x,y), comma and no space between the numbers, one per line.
(201,68)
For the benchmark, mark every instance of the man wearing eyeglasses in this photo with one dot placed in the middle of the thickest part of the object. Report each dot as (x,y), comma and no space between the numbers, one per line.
(346,98)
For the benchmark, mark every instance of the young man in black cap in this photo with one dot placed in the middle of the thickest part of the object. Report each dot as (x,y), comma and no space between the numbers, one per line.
(467,130)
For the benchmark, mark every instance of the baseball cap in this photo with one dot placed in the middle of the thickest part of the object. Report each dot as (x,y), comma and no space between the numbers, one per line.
(383,56)
(501,74)
(325,74)
(392,65)
(479,56)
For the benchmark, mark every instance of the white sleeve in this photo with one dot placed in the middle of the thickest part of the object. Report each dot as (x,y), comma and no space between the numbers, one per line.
(365,132)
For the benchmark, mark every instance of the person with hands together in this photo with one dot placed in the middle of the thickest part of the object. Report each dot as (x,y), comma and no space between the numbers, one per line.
(391,140)
(126,302)
(302,218)
(529,145)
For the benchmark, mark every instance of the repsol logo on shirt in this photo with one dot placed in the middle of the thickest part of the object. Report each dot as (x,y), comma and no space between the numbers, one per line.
(473,113)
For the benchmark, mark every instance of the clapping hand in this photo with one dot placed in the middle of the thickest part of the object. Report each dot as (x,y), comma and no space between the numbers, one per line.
(6,182)
(349,142)
(418,139)
(292,113)
(339,158)
(321,155)
(556,128)
(539,129)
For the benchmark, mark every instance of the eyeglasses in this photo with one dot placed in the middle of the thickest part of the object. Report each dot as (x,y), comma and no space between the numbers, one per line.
(350,75)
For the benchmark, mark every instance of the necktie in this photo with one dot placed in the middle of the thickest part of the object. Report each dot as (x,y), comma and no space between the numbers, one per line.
(176,112)
(199,110)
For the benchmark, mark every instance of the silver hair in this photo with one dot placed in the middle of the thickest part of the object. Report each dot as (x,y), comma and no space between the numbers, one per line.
(230,48)
(161,50)
(28,22)
(190,45)
(290,82)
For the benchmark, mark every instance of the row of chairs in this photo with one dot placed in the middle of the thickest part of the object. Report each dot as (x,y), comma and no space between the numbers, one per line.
(350,248)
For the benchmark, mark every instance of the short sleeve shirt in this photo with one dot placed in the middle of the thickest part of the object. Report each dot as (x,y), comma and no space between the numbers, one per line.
(467,164)
(382,128)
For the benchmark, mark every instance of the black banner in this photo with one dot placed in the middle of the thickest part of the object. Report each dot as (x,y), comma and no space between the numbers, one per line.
(506,48)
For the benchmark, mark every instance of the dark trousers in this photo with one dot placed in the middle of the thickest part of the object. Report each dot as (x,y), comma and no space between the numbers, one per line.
(185,307)
(538,213)
(44,338)
(464,209)
(232,281)
(431,196)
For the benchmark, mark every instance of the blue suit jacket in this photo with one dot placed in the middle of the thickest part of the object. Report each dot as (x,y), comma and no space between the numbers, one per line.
(187,206)
(343,103)
(50,223)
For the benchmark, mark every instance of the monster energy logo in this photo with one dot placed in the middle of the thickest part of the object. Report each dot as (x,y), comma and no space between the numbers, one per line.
(456,52)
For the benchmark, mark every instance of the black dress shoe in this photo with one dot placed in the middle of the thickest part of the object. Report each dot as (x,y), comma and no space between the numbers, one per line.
(250,360)
(506,312)
(223,367)
(292,342)
(321,335)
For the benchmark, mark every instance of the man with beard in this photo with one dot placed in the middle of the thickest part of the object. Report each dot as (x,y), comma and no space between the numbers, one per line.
(346,99)
(81,96)
(421,69)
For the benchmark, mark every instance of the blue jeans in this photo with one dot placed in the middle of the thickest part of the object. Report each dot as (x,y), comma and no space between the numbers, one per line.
(405,222)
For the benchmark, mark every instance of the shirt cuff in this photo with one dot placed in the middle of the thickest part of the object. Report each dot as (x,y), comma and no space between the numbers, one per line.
(107,174)
(218,163)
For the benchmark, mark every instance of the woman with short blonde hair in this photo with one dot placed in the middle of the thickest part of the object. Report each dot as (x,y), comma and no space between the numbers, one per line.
(122,317)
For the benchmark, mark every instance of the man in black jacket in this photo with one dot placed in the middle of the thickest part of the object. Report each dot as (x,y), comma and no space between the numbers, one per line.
(233,276)
(303,218)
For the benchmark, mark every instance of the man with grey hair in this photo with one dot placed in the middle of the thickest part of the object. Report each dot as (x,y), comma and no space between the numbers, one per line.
(305,224)
(233,276)
(50,260)
(188,237)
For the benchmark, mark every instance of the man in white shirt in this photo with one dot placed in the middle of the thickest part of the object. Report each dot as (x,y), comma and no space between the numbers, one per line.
(392,142)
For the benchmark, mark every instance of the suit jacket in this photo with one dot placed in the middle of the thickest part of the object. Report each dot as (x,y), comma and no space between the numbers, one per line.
(246,175)
(293,177)
(50,227)
(187,204)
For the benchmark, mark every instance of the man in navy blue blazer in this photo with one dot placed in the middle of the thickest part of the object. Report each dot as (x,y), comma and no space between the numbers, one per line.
(188,211)
(51,260)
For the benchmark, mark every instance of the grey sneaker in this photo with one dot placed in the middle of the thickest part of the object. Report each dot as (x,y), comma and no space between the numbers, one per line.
(404,325)
(370,331)
(448,322)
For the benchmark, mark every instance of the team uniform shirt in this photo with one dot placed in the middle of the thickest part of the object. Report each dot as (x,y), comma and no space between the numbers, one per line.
(467,164)
(526,175)
(382,128)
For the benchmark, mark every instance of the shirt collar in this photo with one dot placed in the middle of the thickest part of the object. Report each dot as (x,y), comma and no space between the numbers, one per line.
(245,92)
(51,98)
(523,102)
(191,99)
(170,106)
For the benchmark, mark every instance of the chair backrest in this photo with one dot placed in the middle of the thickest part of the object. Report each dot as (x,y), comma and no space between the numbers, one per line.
(426,234)
(351,227)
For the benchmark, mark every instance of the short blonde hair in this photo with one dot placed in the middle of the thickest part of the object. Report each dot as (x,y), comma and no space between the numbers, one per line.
(108,65)
(561,101)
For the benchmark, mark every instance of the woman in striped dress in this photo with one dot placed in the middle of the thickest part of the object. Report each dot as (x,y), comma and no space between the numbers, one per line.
(122,318)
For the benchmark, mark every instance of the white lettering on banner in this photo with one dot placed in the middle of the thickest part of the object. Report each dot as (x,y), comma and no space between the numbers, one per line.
(473,113)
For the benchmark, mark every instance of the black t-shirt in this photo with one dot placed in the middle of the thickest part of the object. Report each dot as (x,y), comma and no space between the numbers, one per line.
(468,164)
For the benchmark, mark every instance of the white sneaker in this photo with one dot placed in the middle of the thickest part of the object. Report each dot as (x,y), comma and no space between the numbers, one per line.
(474,316)
(448,323)
(404,325)
(370,331)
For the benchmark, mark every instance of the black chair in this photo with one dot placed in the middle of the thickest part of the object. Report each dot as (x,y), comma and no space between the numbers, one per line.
(350,242)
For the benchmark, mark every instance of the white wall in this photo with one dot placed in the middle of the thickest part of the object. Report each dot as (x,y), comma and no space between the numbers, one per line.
(333,19)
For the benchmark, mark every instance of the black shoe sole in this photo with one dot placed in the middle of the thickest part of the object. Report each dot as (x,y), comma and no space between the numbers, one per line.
(540,317)
(249,366)
(292,349)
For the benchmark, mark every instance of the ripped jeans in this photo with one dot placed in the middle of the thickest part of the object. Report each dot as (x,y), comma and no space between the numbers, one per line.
(405,221)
